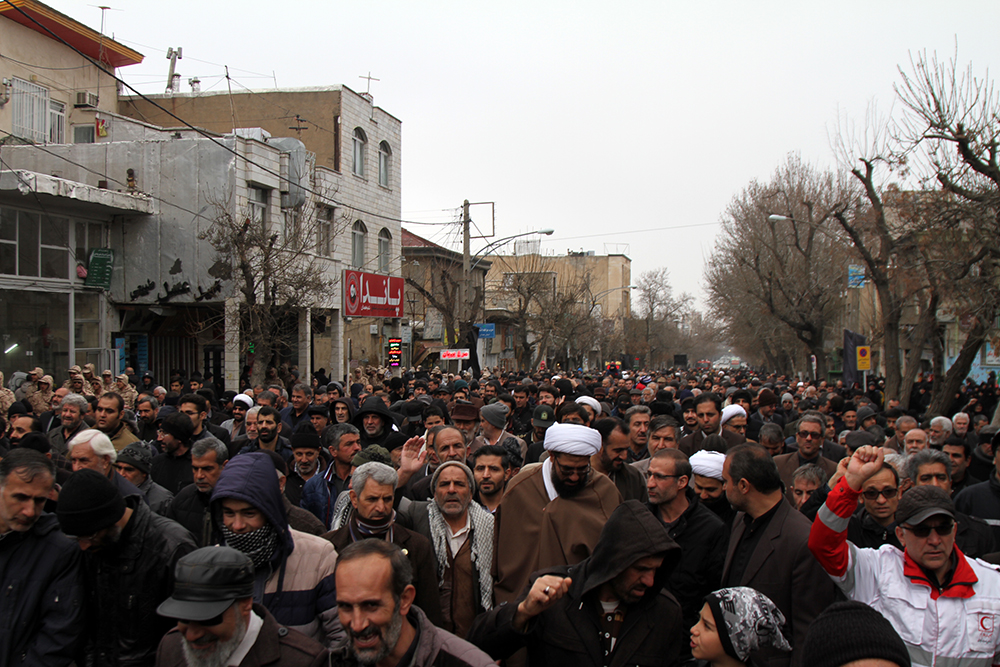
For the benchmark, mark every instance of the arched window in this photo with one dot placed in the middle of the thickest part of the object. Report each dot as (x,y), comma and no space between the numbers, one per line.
(384,163)
(358,237)
(384,250)
(360,142)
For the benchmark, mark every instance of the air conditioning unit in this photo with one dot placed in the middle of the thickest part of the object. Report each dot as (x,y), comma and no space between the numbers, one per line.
(86,100)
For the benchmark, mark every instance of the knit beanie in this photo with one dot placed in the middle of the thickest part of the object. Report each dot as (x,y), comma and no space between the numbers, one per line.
(305,437)
(766,397)
(139,455)
(495,414)
(88,502)
(850,631)
(372,453)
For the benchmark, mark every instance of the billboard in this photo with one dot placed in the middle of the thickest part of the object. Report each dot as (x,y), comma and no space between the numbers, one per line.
(372,295)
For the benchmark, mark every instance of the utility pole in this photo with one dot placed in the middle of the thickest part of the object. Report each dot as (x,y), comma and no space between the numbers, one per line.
(466,287)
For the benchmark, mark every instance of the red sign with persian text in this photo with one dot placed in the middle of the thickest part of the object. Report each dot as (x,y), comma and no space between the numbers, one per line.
(372,295)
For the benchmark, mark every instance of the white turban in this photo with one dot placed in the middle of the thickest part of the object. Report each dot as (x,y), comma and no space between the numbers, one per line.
(704,463)
(592,402)
(575,439)
(731,411)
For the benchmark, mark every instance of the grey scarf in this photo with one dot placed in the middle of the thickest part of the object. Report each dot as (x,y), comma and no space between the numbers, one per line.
(481,538)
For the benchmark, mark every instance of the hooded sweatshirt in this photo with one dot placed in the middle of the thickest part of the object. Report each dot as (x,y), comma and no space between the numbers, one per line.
(568,632)
(297,586)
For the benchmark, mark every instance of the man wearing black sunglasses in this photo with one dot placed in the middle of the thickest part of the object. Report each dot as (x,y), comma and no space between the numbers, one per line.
(945,606)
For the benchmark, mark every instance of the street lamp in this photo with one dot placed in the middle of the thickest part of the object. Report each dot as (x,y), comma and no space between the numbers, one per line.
(479,256)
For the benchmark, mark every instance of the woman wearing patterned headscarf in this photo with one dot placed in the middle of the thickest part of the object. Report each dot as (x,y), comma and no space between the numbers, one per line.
(735,622)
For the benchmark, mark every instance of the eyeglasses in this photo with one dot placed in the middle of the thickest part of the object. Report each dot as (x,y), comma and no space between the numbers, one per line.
(809,435)
(922,531)
(873,494)
(660,477)
(569,472)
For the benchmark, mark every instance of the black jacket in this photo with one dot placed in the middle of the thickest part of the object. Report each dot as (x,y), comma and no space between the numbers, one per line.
(42,582)
(171,472)
(126,583)
(982,501)
(702,537)
(567,633)
(863,531)
(190,508)
(974,536)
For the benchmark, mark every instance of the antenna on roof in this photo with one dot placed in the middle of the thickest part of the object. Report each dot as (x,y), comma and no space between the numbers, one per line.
(173,56)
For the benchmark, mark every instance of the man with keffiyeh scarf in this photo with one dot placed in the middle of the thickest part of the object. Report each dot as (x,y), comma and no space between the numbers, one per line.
(373,487)
(294,570)
(461,532)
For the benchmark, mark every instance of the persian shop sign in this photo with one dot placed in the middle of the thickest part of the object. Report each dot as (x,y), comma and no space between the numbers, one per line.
(372,295)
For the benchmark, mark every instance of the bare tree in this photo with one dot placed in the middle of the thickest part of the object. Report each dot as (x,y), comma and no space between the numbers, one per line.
(274,273)
(781,249)
(952,120)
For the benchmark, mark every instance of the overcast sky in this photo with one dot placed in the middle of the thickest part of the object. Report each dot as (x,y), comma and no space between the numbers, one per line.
(613,123)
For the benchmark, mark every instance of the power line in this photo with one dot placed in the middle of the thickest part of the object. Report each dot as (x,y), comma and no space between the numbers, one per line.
(320,197)
(635,231)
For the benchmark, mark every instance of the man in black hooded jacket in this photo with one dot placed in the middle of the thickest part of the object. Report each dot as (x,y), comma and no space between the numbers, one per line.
(375,422)
(610,609)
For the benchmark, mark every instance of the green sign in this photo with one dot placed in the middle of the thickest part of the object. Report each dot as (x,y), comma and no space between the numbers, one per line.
(99,268)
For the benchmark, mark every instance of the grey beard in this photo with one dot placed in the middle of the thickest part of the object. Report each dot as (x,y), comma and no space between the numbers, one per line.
(223,650)
(390,637)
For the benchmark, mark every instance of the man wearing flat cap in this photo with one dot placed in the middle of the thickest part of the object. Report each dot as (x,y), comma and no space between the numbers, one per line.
(218,622)
(555,511)
(128,561)
(945,606)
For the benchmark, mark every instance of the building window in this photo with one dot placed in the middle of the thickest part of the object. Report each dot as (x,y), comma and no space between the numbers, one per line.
(84,134)
(324,231)
(360,142)
(257,205)
(384,155)
(34,247)
(384,250)
(358,237)
(31,111)
(57,122)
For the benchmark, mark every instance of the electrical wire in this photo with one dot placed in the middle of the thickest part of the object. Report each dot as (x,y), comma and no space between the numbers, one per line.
(634,231)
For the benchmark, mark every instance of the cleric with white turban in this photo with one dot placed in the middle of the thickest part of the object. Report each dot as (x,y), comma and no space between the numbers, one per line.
(705,463)
(731,411)
(592,403)
(575,439)
(572,439)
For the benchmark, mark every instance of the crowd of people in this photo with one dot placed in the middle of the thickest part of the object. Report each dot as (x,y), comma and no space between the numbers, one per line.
(426,518)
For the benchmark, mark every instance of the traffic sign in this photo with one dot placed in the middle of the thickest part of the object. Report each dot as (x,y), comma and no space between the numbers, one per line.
(864,357)
(488,330)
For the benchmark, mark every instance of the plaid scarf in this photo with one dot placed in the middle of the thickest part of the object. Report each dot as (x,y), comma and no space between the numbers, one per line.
(481,537)
(258,544)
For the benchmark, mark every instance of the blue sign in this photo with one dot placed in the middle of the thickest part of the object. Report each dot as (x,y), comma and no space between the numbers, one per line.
(487,330)
(855,276)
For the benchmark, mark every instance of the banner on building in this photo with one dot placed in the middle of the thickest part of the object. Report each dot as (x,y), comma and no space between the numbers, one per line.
(372,295)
